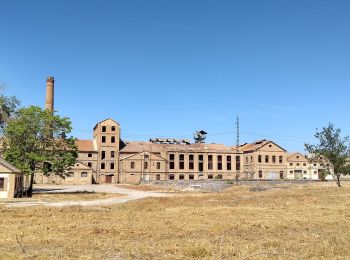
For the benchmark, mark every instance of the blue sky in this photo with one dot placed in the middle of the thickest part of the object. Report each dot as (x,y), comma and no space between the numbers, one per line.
(165,68)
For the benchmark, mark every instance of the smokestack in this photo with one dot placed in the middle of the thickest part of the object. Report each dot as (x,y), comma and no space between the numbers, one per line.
(50,83)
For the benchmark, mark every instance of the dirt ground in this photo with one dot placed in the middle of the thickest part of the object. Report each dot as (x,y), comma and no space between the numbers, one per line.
(243,222)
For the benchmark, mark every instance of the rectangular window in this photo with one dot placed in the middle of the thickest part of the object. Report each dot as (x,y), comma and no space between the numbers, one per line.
(172,161)
(132,165)
(146,156)
(70,174)
(112,139)
(182,161)
(2,183)
(103,129)
(89,154)
(191,162)
(260,174)
(228,163)
(158,165)
(281,159)
(291,164)
(89,164)
(200,162)
(83,174)
(103,166)
(145,165)
(259,158)
(103,155)
(238,163)
(112,166)
(274,159)
(112,128)
(210,162)
(103,139)
(266,159)
(112,154)
(219,162)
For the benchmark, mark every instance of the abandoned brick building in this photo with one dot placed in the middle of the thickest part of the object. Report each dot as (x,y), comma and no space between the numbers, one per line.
(108,159)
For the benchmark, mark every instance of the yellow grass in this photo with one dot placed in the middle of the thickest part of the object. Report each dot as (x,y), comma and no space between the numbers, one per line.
(298,222)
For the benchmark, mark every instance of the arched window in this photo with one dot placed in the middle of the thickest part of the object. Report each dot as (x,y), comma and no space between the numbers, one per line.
(181,177)
(171,177)
(210,176)
(191,177)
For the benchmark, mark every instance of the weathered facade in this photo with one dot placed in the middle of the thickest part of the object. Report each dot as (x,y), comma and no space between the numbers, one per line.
(11,180)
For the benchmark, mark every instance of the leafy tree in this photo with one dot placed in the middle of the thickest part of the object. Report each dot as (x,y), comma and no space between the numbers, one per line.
(8,107)
(35,140)
(333,151)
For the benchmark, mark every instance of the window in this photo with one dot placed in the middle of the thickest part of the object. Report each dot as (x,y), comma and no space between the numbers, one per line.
(83,174)
(171,177)
(304,172)
(259,158)
(132,165)
(103,128)
(210,176)
(103,139)
(146,156)
(273,158)
(191,177)
(181,177)
(191,162)
(158,165)
(304,164)
(112,166)
(112,139)
(246,160)
(200,162)
(220,162)
(145,165)
(291,164)
(172,161)
(158,177)
(219,177)
(228,163)
(210,162)
(298,164)
(281,159)
(70,174)
(251,159)
(103,155)
(182,161)
(266,159)
(112,128)
(2,183)
(112,154)
(89,154)
(260,174)
(89,164)
(103,166)
(238,163)
(291,171)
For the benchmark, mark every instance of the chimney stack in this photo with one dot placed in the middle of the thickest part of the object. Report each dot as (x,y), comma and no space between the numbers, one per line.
(49,103)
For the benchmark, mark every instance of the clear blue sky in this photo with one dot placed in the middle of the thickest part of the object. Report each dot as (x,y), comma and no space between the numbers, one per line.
(165,68)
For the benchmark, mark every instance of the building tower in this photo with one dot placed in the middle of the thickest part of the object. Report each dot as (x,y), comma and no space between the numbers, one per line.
(49,102)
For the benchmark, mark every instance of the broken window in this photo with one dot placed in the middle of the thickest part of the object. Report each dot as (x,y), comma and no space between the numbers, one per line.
(281,159)
(89,164)
(219,162)
(103,139)
(158,177)
(171,177)
(228,163)
(172,161)
(103,155)
(259,158)
(273,158)
(112,166)
(132,165)
(83,174)
(112,139)
(238,163)
(260,174)
(191,177)
(89,154)
(181,161)
(112,154)
(2,183)
(200,162)
(266,159)
(181,177)
(145,165)
(158,165)
(103,128)
(191,162)
(210,162)
(112,128)
(210,176)
(103,166)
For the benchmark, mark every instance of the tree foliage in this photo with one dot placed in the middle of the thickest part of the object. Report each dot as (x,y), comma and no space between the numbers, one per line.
(35,140)
(333,151)
(8,107)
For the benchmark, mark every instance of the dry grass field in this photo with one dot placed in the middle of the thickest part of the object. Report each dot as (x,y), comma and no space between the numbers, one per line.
(296,222)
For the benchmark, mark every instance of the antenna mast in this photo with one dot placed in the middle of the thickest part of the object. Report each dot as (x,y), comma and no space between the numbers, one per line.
(237,132)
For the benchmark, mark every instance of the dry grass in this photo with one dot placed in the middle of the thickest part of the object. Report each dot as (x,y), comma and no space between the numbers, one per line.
(74,196)
(287,223)
(143,187)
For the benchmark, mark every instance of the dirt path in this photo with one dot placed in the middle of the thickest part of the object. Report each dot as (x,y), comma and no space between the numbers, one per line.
(130,195)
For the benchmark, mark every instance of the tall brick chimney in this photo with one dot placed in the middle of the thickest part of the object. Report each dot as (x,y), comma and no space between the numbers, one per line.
(49,103)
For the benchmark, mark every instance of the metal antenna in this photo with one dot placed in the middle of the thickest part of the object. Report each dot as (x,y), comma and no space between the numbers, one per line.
(237,132)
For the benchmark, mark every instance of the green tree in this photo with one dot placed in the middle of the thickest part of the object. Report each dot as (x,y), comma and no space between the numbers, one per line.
(8,107)
(333,151)
(35,140)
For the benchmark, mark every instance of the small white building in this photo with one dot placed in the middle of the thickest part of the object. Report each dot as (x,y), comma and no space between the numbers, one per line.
(11,180)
